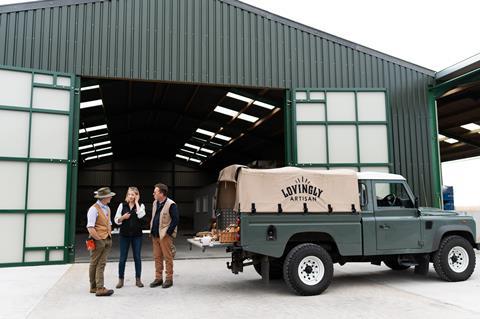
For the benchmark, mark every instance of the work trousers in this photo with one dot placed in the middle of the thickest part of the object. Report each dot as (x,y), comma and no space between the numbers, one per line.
(98,260)
(162,251)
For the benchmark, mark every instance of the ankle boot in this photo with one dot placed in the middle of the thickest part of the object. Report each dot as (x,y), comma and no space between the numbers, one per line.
(168,283)
(156,283)
(101,292)
(138,283)
(120,283)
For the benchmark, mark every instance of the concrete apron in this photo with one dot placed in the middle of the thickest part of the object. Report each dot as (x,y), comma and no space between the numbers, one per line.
(205,288)
(22,288)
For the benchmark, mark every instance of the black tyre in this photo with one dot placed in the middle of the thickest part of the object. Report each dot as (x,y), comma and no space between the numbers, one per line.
(455,259)
(276,269)
(392,263)
(308,269)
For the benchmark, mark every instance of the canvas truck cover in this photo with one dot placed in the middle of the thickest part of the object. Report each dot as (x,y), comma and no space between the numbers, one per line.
(239,186)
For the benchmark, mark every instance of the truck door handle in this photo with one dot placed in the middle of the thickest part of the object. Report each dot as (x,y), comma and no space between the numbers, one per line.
(384,226)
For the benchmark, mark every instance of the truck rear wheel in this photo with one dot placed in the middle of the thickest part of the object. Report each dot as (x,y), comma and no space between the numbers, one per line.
(308,269)
(455,259)
(276,269)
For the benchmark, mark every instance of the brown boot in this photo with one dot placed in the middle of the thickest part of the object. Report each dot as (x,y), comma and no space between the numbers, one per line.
(156,283)
(103,292)
(138,283)
(168,283)
(93,290)
(120,283)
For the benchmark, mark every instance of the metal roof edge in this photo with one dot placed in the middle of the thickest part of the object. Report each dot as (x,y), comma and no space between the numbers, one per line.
(328,36)
(32,5)
(462,67)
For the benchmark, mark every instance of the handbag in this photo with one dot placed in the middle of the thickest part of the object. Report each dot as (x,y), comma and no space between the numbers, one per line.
(90,243)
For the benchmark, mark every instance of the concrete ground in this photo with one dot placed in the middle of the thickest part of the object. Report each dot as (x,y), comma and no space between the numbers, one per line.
(204,288)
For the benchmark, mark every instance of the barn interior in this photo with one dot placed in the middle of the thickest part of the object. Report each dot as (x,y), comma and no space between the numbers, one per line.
(135,133)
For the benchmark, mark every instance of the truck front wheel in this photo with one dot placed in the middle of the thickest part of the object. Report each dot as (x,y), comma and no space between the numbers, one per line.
(455,259)
(308,269)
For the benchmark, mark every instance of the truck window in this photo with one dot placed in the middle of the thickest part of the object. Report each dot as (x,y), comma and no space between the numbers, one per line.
(392,194)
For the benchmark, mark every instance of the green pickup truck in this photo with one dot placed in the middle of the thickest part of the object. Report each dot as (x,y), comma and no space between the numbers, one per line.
(296,223)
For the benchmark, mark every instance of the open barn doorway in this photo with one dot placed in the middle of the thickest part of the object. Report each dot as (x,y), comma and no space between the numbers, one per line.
(135,133)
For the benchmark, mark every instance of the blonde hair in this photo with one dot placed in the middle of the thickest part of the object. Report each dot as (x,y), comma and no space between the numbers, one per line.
(132,189)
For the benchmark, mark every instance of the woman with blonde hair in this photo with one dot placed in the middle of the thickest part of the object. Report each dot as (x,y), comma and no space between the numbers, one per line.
(129,217)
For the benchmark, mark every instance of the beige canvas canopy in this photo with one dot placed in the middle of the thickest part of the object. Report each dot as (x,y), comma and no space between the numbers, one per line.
(292,187)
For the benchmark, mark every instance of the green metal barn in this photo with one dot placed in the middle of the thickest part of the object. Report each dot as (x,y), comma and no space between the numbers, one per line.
(120,92)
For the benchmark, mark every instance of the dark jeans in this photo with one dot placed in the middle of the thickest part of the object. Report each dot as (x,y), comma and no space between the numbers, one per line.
(136,243)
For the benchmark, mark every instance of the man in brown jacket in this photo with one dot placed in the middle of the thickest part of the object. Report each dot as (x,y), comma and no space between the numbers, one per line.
(99,227)
(163,228)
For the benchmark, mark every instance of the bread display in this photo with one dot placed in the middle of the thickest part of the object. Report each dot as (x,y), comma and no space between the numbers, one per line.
(227,235)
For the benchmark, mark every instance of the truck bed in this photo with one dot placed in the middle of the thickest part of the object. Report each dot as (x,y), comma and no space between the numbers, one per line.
(344,228)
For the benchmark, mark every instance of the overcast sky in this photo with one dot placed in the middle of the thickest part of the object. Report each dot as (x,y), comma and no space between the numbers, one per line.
(431,33)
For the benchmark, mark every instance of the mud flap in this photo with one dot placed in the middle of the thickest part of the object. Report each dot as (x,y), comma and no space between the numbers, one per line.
(265,270)
(423,265)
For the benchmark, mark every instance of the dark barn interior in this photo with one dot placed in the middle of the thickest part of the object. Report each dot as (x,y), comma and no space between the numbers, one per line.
(139,133)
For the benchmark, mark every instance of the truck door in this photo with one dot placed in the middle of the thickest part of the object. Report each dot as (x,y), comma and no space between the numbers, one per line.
(397,222)
(37,165)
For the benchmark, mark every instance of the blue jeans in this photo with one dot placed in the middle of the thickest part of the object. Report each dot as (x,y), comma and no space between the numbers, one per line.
(136,243)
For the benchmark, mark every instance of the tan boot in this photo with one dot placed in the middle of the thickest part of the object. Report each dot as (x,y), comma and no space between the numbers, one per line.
(120,283)
(103,292)
(138,283)
(93,290)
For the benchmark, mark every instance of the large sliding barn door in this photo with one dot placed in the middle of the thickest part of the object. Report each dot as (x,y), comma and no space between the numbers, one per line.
(36,164)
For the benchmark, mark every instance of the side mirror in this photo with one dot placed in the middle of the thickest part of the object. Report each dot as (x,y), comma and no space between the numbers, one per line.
(416,202)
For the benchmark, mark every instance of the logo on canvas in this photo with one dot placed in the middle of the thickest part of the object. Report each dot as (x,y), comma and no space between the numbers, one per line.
(302,190)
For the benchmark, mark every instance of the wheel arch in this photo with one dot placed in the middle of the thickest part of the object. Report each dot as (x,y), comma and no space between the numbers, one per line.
(322,239)
(451,230)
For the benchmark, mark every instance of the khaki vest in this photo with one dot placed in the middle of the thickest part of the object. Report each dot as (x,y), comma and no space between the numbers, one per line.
(102,224)
(165,219)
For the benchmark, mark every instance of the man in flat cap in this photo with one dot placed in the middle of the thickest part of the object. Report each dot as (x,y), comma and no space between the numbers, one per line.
(99,227)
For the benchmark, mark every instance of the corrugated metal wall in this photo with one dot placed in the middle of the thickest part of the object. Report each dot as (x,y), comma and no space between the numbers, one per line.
(219,42)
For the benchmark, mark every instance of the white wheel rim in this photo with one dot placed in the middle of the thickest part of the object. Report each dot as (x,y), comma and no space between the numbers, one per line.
(458,259)
(311,270)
